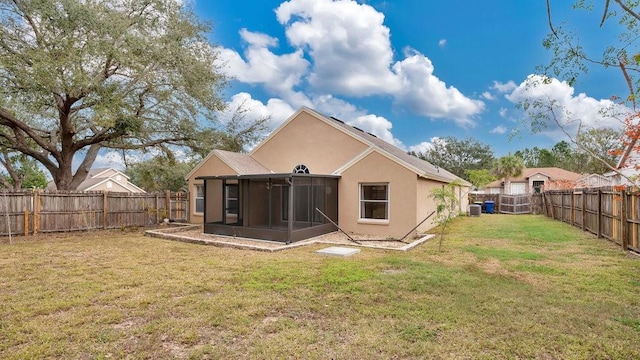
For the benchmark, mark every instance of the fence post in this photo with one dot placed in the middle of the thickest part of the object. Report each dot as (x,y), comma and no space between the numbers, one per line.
(36,211)
(105,212)
(584,205)
(572,216)
(167,203)
(157,208)
(26,221)
(599,231)
(624,220)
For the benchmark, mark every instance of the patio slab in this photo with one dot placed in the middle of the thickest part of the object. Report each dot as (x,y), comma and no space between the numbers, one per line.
(194,234)
(338,251)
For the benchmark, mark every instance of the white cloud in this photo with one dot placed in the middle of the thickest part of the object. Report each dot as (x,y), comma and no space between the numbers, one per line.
(571,110)
(503,112)
(111,159)
(350,46)
(427,95)
(377,125)
(504,87)
(277,109)
(426,145)
(442,43)
(498,130)
(422,147)
(489,96)
(280,74)
(352,55)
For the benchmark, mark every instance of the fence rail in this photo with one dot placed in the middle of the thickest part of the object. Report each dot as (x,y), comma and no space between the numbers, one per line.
(31,212)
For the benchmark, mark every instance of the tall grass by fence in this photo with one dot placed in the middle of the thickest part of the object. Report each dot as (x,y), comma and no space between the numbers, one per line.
(607,212)
(31,212)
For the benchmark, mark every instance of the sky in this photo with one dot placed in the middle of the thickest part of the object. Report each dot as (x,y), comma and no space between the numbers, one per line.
(407,71)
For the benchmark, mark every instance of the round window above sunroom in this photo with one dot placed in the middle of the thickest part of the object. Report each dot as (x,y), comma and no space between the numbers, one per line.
(301,169)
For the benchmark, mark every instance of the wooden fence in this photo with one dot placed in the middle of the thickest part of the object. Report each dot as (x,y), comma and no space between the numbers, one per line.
(511,204)
(31,212)
(607,212)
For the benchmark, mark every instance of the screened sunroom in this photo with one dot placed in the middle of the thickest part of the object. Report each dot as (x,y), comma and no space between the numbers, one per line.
(278,207)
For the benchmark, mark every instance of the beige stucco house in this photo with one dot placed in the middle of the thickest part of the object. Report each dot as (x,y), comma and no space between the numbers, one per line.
(533,180)
(313,162)
(105,179)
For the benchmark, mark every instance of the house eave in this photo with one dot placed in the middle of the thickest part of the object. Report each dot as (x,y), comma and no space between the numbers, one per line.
(266,176)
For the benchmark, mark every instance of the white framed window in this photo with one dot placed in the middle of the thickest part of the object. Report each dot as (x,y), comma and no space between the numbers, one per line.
(374,202)
(109,184)
(199,198)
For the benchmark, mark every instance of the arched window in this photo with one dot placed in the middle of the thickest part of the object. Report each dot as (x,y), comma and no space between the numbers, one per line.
(301,169)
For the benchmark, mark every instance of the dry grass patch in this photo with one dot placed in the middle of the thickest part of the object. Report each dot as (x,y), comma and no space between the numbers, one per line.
(503,287)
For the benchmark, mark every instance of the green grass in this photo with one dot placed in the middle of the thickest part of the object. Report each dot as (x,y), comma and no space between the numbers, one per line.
(503,287)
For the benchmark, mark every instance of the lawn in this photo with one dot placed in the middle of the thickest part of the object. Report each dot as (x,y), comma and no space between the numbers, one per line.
(503,287)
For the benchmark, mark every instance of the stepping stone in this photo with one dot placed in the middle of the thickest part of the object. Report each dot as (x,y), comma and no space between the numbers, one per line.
(338,251)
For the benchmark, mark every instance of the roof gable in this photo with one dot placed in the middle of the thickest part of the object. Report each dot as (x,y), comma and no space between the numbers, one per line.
(242,162)
(415,164)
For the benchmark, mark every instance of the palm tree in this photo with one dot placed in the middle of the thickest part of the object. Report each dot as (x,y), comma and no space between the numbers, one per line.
(508,167)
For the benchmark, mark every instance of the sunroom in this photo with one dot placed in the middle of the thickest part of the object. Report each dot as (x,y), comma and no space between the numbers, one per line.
(279,207)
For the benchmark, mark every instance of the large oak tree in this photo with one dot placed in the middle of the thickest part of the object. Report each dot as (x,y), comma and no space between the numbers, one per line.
(78,76)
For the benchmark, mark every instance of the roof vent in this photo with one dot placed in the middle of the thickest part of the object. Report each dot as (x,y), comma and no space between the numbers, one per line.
(372,135)
(338,120)
(358,129)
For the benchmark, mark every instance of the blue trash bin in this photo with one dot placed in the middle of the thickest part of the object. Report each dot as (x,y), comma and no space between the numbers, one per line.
(489,206)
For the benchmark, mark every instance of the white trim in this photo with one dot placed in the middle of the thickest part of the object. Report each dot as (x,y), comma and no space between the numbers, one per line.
(195,197)
(364,220)
(392,158)
(129,186)
(199,165)
(220,156)
(99,175)
(316,115)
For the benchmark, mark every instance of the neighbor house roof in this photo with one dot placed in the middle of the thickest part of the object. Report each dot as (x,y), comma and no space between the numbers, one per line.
(553,173)
(99,176)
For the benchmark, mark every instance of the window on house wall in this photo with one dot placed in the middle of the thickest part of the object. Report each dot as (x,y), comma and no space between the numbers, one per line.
(199,198)
(109,184)
(374,201)
(537,186)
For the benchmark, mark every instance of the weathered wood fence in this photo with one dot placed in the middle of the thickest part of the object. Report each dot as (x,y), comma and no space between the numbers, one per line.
(32,212)
(607,212)
(510,204)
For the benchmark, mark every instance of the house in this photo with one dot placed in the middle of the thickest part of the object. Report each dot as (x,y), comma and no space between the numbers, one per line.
(593,181)
(311,174)
(627,168)
(534,180)
(105,179)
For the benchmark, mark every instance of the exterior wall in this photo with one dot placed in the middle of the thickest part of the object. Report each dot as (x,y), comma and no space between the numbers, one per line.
(309,141)
(425,205)
(214,166)
(376,168)
(463,198)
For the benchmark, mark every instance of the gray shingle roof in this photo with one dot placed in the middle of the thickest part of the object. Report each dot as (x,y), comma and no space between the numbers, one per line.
(243,163)
(428,170)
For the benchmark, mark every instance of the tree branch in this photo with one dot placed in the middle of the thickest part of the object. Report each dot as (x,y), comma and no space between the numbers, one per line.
(604,14)
(627,9)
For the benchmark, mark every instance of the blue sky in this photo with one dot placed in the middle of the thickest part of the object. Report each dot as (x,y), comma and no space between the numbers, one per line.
(407,70)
